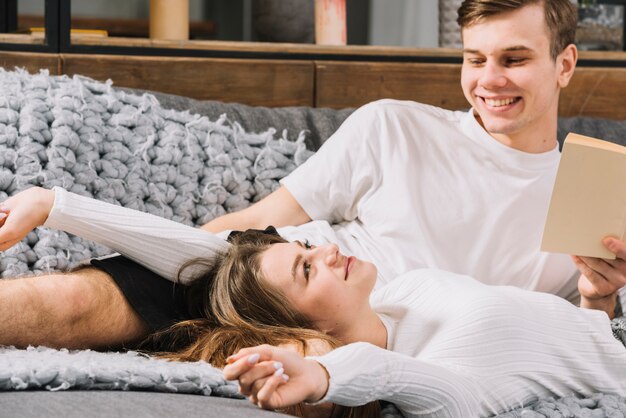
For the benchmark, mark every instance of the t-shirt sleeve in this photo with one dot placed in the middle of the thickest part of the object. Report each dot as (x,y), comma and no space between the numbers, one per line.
(361,373)
(332,183)
(156,243)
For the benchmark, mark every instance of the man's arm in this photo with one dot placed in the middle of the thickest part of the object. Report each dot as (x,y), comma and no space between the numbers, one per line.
(601,279)
(277,209)
(330,184)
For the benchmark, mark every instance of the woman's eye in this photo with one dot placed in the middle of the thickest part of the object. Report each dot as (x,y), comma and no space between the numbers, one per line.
(307,245)
(307,269)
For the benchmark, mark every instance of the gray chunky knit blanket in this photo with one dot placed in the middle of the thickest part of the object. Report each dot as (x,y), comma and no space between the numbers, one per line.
(45,368)
(126,149)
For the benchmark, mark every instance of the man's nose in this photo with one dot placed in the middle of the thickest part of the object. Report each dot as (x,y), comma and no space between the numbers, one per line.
(493,76)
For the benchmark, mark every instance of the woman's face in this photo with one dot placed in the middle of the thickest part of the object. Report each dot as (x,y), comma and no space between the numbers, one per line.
(327,287)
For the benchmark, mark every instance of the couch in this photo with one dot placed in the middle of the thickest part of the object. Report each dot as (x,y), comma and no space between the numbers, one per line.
(184,159)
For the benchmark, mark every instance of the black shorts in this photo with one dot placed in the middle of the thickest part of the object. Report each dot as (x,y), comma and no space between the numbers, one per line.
(160,302)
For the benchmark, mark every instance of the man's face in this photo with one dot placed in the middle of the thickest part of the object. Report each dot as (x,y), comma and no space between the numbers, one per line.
(511,80)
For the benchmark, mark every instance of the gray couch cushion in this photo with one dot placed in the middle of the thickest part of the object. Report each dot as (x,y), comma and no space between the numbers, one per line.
(319,122)
(609,130)
(106,404)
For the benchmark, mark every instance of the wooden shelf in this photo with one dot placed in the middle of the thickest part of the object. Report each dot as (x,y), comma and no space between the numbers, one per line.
(131,28)
(16,38)
(266,47)
(333,52)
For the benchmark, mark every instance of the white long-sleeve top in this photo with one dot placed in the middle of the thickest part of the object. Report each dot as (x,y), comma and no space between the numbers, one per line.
(459,348)
(157,243)
(455,348)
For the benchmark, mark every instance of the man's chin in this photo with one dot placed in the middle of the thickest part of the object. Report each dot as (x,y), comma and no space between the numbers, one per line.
(499,126)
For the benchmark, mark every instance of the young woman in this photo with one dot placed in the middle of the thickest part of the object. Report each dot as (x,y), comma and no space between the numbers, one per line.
(432,342)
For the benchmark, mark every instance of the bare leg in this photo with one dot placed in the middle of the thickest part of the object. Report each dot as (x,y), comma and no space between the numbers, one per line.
(81,309)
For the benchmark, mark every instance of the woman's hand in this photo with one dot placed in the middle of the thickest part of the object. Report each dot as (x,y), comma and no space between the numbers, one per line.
(22,213)
(275,377)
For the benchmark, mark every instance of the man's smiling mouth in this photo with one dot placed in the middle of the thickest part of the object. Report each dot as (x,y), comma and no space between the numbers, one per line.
(500,102)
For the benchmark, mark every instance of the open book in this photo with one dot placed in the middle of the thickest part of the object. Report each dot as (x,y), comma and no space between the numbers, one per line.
(589,198)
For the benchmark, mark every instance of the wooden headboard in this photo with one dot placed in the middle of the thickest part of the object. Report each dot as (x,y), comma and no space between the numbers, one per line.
(369,73)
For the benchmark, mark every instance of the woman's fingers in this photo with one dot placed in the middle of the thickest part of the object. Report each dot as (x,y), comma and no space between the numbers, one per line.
(264,351)
(268,396)
(251,380)
(238,367)
(262,377)
(21,213)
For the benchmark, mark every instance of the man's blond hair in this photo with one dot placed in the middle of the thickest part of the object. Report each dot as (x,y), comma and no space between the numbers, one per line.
(560,16)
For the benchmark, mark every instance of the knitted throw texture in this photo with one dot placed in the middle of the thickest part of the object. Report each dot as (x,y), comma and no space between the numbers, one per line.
(46,368)
(126,149)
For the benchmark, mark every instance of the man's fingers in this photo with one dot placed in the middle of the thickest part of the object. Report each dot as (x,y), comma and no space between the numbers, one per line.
(598,265)
(619,269)
(613,271)
(616,246)
(597,285)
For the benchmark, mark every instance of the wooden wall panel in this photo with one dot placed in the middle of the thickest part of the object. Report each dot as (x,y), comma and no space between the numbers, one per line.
(593,91)
(352,84)
(253,82)
(32,62)
(596,92)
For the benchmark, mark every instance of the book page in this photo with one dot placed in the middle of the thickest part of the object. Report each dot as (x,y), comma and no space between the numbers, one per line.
(589,198)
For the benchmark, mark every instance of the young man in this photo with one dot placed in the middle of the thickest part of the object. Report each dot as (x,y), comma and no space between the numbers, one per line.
(472,194)
(405,185)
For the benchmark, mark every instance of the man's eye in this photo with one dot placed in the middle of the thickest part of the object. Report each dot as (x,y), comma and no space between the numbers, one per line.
(513,61)
(474,61)
(307,269)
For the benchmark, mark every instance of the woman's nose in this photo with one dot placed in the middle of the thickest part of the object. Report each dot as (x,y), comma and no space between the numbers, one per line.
(328,253)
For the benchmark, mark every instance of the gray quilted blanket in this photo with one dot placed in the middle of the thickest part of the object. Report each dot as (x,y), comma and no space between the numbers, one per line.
(126,149)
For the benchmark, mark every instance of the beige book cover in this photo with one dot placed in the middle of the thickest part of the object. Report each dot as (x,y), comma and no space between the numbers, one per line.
(589,198)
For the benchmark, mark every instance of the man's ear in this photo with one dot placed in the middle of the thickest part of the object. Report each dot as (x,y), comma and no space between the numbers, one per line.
(566,63)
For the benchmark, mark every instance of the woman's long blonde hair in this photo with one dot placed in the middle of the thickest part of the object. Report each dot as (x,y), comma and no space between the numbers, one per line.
(239,309)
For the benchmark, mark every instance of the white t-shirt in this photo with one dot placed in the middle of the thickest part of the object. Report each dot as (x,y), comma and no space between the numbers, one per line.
(415,186)
(463,349)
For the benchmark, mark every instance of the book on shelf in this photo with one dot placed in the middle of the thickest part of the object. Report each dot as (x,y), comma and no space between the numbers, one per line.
(589,198)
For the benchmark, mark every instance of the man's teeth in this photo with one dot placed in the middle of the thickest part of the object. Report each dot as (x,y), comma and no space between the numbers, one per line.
(498,103)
